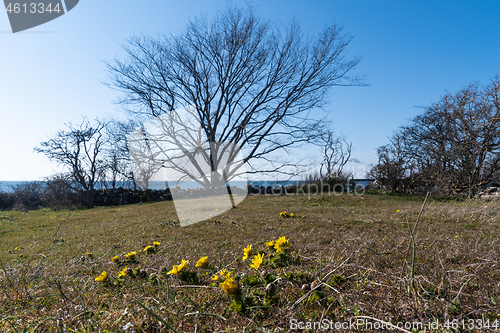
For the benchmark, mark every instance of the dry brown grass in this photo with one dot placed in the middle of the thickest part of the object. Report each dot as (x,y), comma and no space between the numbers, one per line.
(363,243)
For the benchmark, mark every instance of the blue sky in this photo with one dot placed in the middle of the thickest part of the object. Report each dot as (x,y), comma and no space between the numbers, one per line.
(413,52)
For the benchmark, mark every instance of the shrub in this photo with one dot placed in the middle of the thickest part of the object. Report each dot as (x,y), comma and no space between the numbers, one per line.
(6,201)
(28,196)
(59,193)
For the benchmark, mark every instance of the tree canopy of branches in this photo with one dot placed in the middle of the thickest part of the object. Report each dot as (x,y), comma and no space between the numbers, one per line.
(452,147)
(251,83)
(79,149)
(336,153)
(118,170)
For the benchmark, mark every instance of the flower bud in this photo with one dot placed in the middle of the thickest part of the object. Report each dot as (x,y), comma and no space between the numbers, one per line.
(271,289)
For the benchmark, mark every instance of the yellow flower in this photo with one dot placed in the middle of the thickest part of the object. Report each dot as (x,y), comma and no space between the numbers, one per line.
(183,265)
(202,262)
(223,273)
(115,258)
(123,272)
(149,249)
(103,277)
(89,254)
(156,244)
(397,211)
(281,242)
(256,261)
(270,244)
(291,215)
(230,286)
(175,270)
(179,268)
(131,255)
(247,252)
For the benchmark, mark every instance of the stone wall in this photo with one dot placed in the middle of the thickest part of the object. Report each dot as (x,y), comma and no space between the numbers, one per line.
(121,196)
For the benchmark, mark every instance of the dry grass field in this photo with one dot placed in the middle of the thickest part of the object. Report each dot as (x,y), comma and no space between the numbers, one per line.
(355,252)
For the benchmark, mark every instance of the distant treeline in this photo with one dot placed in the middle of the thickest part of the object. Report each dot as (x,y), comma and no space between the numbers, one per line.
(60,193)
(453,148)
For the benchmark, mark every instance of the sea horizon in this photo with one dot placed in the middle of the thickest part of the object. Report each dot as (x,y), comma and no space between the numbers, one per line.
(9,185)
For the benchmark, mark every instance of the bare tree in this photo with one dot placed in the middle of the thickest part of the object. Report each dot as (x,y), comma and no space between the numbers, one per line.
(251,83)
(336,153)
(79,149)
(454,145)
(459,133)
(119,169)
(394,162)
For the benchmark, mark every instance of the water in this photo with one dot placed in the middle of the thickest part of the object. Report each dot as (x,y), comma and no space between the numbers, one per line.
(6,186)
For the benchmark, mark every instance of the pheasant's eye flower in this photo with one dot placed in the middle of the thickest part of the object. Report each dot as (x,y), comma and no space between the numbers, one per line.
(223,273)
(123,272)
(149,249)
(280,243)
(291,215)
(257,261)
(183,265)
(202,262)
(156,244)
(270,244)
(230,286)
(115,258)
(397,211)
(103,277)
(89,254)
(215,277)
(175,270)
(131,255)
(179,268)
(247,252)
